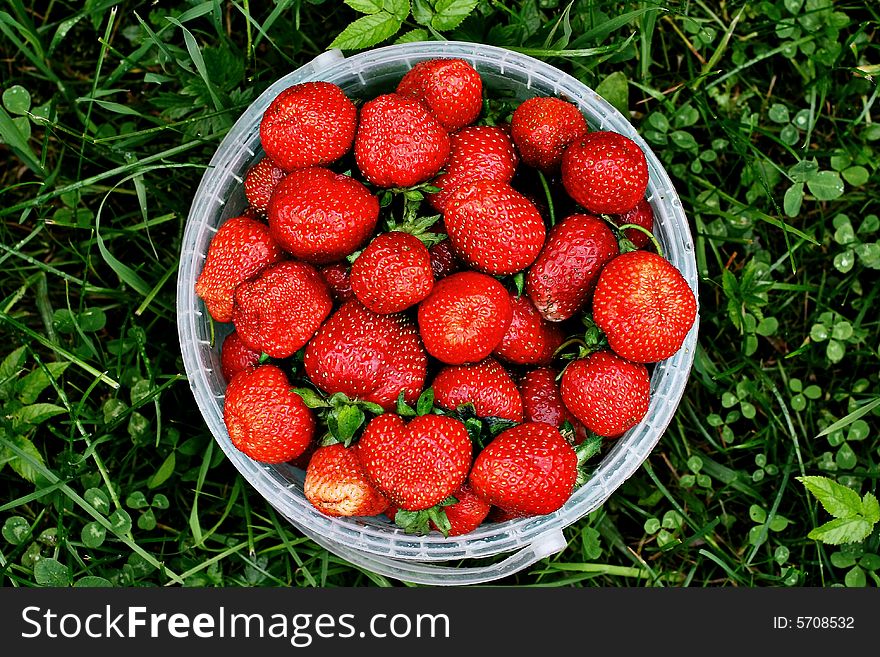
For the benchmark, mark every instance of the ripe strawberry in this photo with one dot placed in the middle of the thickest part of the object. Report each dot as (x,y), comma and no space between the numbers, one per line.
(486,385)
(280,310)
(392,273)
(259,183)
(320,216)
(494,228)
(450,88)
(464,317)
(463,516)
(398,142)
(530,339)
(479,152)
(563,277)
(542,401)
(235,356)
(443,259)
(644,305)
(337,485)
(265,419)
(605,172)
(641,215)
(416,465)
(338,281)
(367,356)
(468,512)
(240,249)
(526,470)
(606,393)
(309,124)
(543,127)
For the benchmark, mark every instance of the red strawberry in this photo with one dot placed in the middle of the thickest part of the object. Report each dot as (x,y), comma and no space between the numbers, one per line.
(443,259)
(479,152)
(337,485)
(279,311)
(463,516)
(526,470)
(309,124)
(563,277)
(543,128)
(338,281)
(607,394)
(641,215)
(464,317)
(530,339)
(392,273)
(398,142)
(486,385)
(367,356)
(468,512)
(450,88)
(494,228)
(235,357)
(644,305)
(605,172)
(240,249)
(542,401)
(265,419)
(416,465)
(259,183)
(320,216)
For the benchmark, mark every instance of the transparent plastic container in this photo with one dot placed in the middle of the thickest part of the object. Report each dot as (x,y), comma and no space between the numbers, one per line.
(500,549)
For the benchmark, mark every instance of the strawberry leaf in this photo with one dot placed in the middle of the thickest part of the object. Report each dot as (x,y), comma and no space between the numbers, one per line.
(367,31)
(426,402)
(450,13)
(871,508)
(838,500)
(842,530)
(404,409)
(366,6)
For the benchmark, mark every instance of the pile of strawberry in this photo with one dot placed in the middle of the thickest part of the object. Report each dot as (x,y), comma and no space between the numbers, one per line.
(443,303)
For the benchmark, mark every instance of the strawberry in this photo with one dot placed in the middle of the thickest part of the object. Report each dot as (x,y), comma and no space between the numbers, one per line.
(265,419)
(416,465)
(338,281)
(280,310)
(450,88)
(235,356)
(563,277)
(526,470)
(320,216)
(606,393)
(542,401)
(309,124)
(241,248)
(641,215)
(542,129)
(530,339)
(494,228)
(467,513)
(644,305)
(337,485)
(479,152)
(392,273)
(486,385)
(464,317)
(398,142)
(259,183)
(367,356)
(605,172)
(460,517)
(443,259)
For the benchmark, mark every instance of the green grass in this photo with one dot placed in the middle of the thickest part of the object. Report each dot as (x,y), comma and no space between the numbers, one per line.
(763,113)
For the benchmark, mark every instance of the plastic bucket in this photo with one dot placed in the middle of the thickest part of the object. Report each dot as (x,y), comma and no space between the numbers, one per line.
(375,543)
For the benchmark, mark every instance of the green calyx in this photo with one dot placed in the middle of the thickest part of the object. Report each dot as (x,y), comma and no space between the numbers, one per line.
(343,416)
(419,522)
